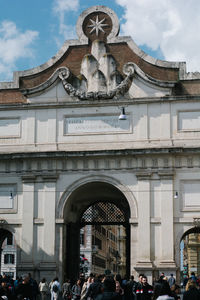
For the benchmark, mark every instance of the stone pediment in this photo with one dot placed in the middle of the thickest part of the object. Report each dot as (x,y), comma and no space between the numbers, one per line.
(100,65)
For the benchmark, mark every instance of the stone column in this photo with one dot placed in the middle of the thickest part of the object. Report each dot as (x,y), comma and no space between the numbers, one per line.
(144,232)
(167,226)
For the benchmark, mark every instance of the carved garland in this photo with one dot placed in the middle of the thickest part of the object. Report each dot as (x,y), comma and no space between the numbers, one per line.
(64,74)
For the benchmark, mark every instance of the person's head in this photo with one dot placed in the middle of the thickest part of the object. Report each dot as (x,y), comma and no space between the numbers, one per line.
(156,292)
(175,288)
(89,279)
(118,277)
(140,277)
(144,280)
(109,284)
(43,280)
(132,277)
(165,278)
(190,284)
(25,278)
(55,279)
(165,288)
(78,282)
(171,275)
(3,284)
(118,286)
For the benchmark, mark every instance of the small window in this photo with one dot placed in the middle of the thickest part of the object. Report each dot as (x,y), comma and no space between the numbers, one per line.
(9,259)
(9,239)
(82,239)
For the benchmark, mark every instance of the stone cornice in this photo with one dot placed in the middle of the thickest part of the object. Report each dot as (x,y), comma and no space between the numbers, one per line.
(101,153)
(99,103)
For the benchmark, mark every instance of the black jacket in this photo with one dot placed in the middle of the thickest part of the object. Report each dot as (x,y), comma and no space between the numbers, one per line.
(192,294)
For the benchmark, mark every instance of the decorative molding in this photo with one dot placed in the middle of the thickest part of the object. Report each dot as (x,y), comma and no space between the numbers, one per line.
(35,167)
(99,8)
(146,265)
(196,222)
(143,175)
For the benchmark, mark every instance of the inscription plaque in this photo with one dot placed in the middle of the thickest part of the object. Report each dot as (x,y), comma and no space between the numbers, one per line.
(9,127)
(7,193)
(96,124)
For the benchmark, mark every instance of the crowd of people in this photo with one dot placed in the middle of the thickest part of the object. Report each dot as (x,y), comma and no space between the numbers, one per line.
(101,287)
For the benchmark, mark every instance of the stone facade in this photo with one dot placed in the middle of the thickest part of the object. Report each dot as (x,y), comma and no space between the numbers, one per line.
(62,148)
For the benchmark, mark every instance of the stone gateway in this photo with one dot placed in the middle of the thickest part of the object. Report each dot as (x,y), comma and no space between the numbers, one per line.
(64,148)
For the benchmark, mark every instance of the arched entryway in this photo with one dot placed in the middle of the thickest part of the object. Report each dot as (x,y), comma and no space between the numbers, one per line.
(93,203)
(190,252)
(8,253)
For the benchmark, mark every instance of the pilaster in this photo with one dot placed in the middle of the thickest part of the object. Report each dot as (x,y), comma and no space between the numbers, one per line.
(49,217)
(144,242)
(167,227)
(27,221)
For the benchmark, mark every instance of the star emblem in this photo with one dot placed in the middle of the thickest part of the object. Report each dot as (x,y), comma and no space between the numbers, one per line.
(97,25)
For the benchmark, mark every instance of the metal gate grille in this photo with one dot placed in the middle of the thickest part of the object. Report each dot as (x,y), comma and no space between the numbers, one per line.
(103,212)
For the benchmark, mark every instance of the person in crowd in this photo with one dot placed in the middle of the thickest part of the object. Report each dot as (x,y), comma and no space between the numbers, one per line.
(161,278)
(76,290)
(175,289)
(55,289)
(34,287)
(163,291)
(108,290)
(130,291)
(44,289)
(95,288)
(24,289)
(139,283)
(185,280)
(193,277)
(119,290)
(171,280)
(6,291)
(191,291)
(145,290)
(85,287)
(17,281)
(66,290)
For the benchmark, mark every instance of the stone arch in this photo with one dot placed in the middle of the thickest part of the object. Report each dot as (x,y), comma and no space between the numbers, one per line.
(76,199)
(8,255)
(128,194)
(185,229)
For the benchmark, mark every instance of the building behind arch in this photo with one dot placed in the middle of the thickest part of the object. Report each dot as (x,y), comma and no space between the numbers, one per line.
(60,129)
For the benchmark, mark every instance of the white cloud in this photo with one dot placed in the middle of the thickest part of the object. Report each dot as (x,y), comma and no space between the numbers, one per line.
(13,46)
(169,24)
(60,8)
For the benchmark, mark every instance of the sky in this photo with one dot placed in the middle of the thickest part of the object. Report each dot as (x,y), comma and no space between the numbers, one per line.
(31,32)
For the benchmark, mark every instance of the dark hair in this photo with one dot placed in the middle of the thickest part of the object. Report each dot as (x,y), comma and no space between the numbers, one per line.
(156,292)
(118,278)
(55,279)
(109,284)
(165,289)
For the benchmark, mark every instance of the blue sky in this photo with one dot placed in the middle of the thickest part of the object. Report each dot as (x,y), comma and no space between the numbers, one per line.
(31,32)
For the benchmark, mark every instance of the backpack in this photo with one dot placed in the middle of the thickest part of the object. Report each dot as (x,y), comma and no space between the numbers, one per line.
(55,288)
